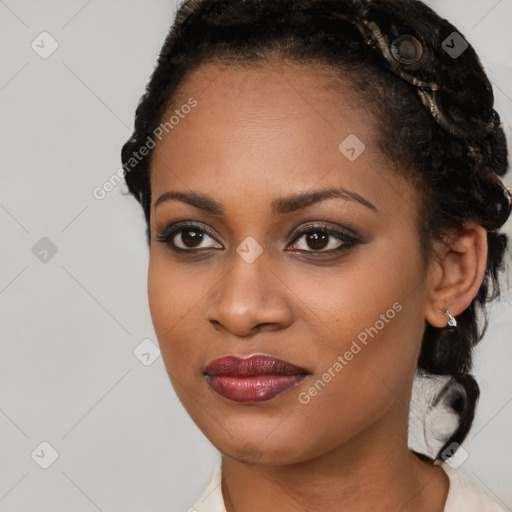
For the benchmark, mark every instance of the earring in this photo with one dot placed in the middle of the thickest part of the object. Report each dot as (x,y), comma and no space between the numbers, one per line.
(452,323)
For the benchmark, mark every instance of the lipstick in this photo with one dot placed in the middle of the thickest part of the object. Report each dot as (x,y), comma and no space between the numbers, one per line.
(253,379)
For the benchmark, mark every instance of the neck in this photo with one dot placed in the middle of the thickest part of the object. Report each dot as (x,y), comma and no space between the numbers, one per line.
(375,471)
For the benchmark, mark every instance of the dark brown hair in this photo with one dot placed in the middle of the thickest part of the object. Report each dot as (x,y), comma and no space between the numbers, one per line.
(433,110)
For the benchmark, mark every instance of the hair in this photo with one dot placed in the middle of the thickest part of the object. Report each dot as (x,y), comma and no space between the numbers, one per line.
(434,122)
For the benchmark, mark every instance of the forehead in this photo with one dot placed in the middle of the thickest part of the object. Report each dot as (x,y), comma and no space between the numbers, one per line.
(252,104)
(260,130)
(221,77)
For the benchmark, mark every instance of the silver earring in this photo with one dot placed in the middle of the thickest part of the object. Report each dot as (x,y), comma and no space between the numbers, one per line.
(452,323)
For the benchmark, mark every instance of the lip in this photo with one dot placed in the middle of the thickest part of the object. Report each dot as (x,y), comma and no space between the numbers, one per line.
(253,379)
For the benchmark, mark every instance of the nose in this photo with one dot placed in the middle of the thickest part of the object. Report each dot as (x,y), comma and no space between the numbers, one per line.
(249,299)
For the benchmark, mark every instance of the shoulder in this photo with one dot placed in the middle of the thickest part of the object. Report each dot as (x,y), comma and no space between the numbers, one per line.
(211,499)
(465,495)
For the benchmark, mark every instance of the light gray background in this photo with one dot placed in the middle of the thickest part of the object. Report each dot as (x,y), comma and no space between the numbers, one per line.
(69,326)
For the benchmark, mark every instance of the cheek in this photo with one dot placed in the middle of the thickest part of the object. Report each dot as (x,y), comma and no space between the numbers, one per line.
(369,312)
(364,291)
(172,292)
(170,298)
(360,379)
(161,297)
(176,300)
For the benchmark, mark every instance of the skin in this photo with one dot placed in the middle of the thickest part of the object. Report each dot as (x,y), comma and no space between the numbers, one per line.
(258,134)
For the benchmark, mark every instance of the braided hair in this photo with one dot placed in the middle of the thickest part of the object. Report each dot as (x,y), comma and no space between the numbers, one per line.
(433,112)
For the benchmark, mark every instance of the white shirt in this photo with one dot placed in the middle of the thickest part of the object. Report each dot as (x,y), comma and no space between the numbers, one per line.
(464,495)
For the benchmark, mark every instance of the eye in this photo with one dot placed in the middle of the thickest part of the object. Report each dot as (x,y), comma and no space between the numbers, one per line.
(187,238)
(323,239)
(320,239)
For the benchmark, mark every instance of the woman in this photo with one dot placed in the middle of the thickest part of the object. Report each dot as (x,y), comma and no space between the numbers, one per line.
(321,185)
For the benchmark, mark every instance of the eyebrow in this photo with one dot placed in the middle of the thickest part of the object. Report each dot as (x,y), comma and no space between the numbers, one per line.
(280,205)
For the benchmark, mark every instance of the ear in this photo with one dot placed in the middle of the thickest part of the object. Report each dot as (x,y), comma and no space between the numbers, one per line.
(456,272)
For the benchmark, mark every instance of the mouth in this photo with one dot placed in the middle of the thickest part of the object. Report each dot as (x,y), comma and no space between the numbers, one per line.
(253,379)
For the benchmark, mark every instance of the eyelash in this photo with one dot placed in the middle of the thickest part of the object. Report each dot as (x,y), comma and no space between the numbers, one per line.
(166,235)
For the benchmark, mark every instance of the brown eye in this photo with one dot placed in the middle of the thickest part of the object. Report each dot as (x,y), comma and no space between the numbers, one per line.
(323,240)
(187,238)
(191,238)
(406,49)
(317,241)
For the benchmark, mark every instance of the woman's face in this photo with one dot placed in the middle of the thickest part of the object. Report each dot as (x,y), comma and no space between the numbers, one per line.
(347,307)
